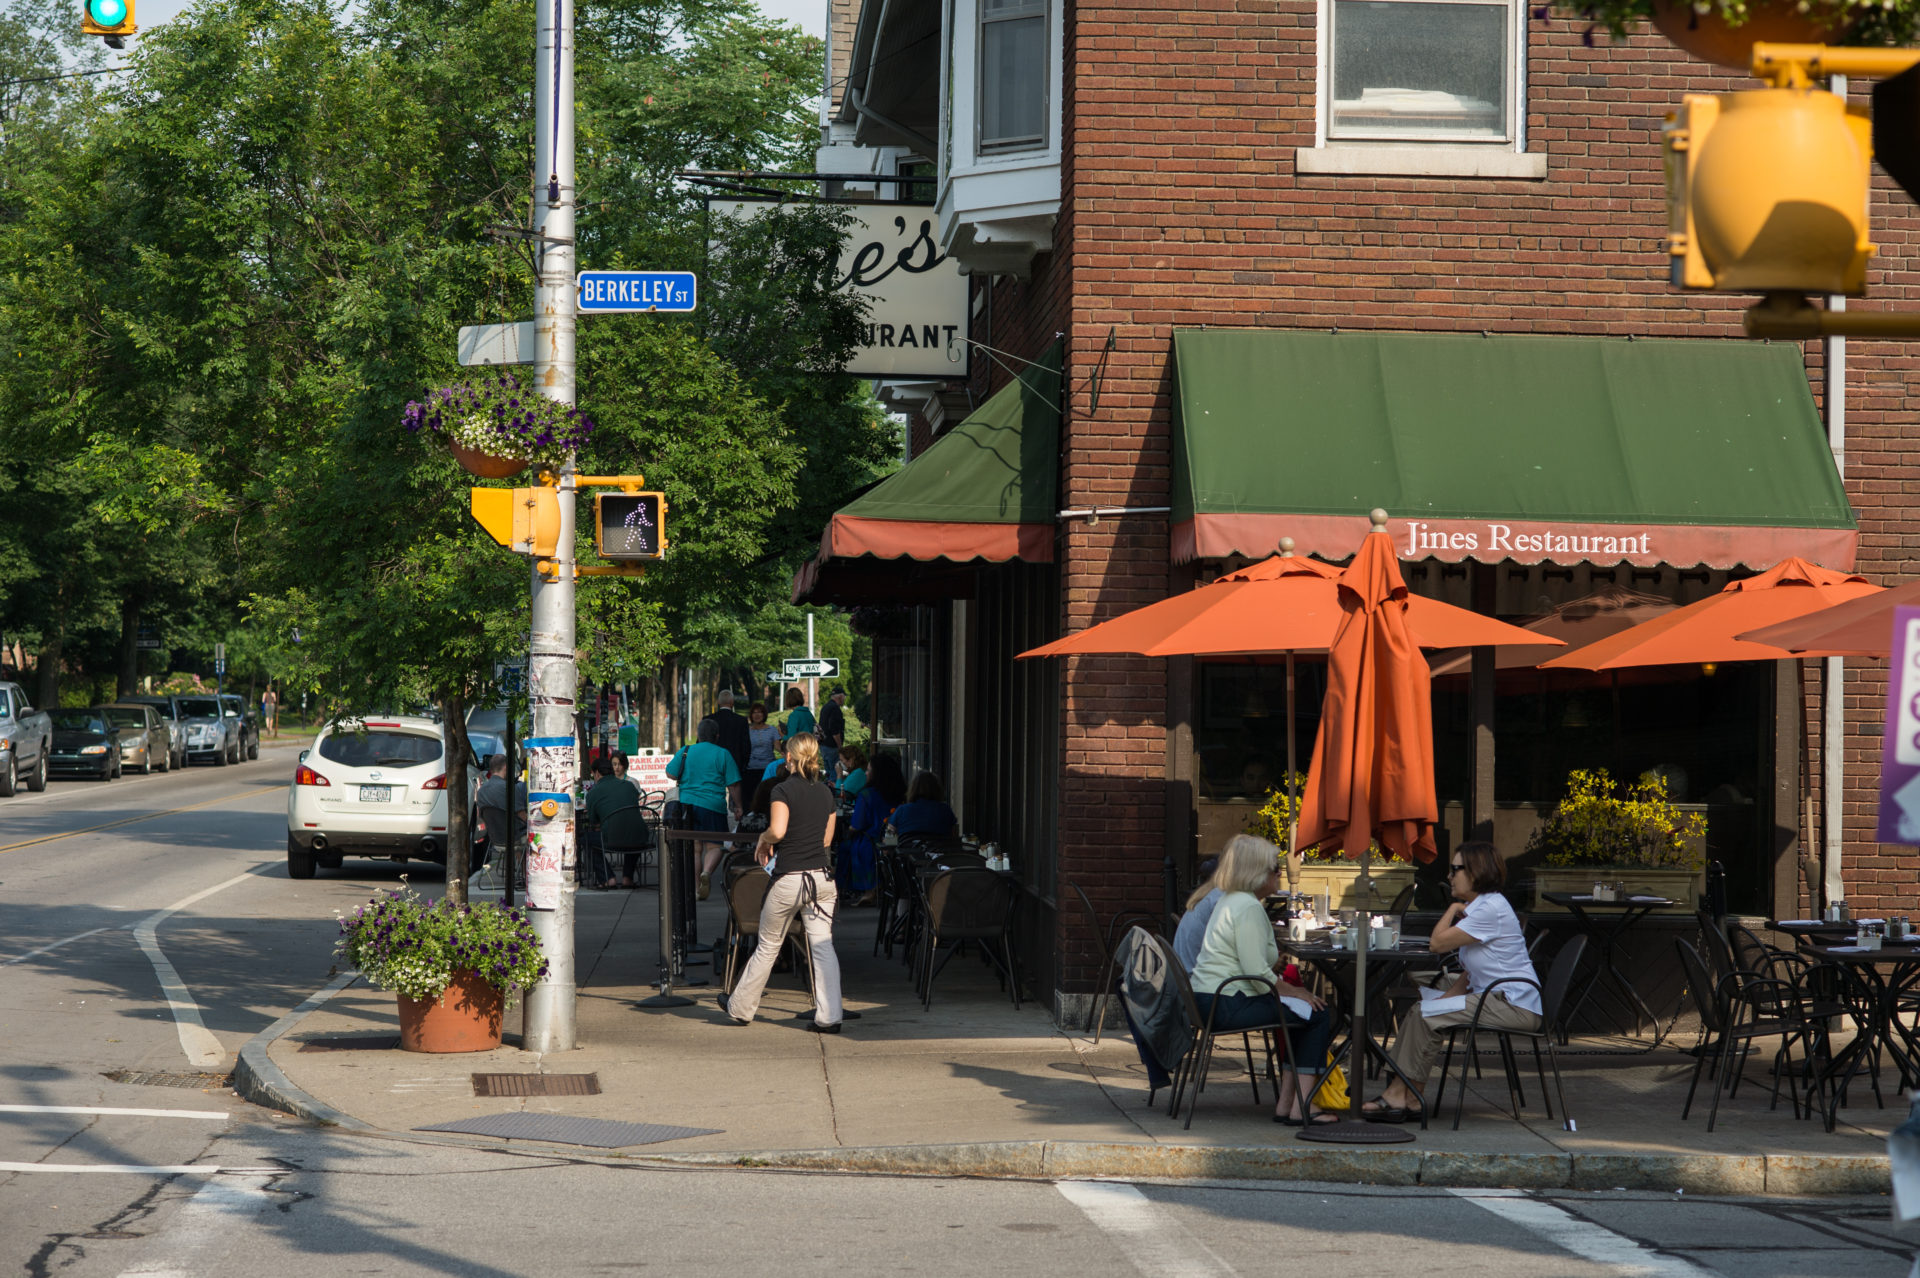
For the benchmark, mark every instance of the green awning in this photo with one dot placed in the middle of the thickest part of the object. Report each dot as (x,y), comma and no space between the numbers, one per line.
(1534,449)
(985,490)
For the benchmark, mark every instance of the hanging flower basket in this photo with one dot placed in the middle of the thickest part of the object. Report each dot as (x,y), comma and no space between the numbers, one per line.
(485,465)
(498,427)
(1714,36)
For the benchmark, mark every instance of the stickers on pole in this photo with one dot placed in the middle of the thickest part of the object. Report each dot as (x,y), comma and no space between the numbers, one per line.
(1900,751)
(550,842)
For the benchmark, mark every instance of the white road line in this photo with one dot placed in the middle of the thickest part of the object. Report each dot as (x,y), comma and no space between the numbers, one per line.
(1157,1244)
(204,1229)
(48,949)
(1586,1240)
(196,1040)
(141,1169)
(108,1109)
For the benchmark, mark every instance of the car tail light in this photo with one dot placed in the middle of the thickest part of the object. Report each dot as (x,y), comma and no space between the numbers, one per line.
(307,776)
(438,783)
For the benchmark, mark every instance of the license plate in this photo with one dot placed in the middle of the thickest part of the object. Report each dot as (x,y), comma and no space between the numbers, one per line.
(376,794)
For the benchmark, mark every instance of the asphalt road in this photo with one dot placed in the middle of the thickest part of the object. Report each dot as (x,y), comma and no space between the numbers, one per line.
(147,928)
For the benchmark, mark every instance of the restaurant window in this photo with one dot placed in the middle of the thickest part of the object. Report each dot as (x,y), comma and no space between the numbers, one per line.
(1414,70)
(1240,726)
(1013,75)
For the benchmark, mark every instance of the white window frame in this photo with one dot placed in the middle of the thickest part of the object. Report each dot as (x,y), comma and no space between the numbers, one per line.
(1410,154)
(1042,9)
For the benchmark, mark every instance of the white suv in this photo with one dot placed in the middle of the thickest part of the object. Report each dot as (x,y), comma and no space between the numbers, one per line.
(375,787)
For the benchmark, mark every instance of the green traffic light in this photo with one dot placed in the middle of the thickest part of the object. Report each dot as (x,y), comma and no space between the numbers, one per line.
(107,13)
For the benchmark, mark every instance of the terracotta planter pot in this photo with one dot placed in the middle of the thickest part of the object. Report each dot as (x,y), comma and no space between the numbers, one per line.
(1707,35)
(486,465)
(466,1019)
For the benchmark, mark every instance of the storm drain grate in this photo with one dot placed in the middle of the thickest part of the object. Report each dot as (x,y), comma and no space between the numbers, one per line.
(601,1133)
(148,1078)
(536,1084)
(352,1043)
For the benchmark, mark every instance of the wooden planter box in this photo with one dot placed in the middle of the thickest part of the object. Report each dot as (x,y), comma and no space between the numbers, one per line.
(1683,886)
(1342,883)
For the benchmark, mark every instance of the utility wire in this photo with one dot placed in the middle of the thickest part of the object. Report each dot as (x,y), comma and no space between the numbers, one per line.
(38,79)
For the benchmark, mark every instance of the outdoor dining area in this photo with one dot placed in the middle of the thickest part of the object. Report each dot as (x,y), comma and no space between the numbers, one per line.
(1820,1012)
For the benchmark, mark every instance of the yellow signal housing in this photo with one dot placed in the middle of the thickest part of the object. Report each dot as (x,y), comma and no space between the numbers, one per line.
(1767,192)
(524,520)
(112,18)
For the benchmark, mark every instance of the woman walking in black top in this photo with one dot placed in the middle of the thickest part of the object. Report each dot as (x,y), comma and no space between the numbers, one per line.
(794,849)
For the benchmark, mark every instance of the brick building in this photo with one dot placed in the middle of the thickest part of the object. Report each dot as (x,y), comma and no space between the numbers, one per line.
(1126,180)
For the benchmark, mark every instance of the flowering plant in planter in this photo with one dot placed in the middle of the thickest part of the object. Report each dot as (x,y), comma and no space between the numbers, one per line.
(1271,818)
(415,948)
(1602,822)
(499,416)
(1856,22)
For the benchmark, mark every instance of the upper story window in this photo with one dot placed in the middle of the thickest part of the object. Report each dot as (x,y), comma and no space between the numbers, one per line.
(1014,71)
(1421,70)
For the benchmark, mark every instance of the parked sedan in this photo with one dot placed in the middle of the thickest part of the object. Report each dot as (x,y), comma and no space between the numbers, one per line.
(84,745)
(211,733)
(170,717)
(237,708)
(144,743)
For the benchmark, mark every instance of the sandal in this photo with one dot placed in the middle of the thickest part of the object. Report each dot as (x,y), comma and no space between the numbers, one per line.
(1284,1121)
(1322,1118)
(1385,1113)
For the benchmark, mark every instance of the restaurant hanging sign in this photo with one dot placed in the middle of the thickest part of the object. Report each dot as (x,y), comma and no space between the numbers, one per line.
(1900,751)
(917,298)
(1523,541)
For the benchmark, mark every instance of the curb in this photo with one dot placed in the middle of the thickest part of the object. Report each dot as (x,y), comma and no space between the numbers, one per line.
(1719,1174)
(257,1079)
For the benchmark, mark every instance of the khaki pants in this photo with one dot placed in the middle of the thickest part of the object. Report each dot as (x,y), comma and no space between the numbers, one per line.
(1417,1048)
(812,895)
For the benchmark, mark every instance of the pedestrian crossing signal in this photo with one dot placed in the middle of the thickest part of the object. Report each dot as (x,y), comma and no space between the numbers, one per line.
(630,526)
(110,18)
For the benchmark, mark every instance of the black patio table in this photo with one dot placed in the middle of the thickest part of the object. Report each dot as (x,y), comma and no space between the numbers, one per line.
(1384,966)
(1603,922)
(1886,976)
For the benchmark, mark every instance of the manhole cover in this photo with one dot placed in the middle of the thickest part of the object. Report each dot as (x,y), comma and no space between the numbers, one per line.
(149,1078)
(559,1129)
(536,1084)
(352,1043)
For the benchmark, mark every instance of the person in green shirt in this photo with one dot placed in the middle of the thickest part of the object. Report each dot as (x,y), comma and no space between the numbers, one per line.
(614,806)
(799,718)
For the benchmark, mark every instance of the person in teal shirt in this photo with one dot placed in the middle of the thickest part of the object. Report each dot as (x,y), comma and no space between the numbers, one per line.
(799,718)
(709,779)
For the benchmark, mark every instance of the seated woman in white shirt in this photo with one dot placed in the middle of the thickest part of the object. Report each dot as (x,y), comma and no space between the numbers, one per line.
(1482,927)
(1239,942)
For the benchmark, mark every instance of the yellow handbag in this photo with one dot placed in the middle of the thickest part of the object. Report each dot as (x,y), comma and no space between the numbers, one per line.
(1333,1088)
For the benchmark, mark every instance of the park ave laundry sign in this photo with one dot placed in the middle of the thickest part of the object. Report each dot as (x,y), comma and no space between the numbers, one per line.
(916,297)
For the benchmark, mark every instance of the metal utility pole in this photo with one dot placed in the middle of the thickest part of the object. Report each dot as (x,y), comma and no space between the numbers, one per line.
(552,670)
(813,685)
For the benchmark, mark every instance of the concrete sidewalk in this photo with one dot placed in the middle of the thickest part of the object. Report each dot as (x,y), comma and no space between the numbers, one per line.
(973,1086)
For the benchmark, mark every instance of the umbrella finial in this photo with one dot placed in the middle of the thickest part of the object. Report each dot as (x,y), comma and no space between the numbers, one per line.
(1379,518)
(1286,547)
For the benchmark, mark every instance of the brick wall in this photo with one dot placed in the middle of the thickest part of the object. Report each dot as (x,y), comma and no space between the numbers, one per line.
(1182,207)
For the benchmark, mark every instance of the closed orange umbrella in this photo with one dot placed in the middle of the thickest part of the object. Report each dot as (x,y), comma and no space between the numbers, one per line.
(1860,627)
(1712,629)
(1372,770)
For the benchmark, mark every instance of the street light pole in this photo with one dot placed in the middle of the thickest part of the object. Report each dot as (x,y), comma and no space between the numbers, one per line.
(552,669)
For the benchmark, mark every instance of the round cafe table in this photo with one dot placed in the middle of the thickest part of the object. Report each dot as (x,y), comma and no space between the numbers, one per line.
(1603,922)
(1885,977)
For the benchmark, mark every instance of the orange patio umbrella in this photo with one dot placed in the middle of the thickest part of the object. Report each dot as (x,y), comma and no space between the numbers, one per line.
(1576,623)
(1372,771)
(1713,629)
(1860,627)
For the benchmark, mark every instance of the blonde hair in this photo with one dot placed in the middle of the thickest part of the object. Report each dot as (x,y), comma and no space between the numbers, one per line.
(1245,864)
(803,755)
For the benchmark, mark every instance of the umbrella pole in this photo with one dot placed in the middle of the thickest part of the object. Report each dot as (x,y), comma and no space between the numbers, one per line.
(1357,1040)
(1293,792)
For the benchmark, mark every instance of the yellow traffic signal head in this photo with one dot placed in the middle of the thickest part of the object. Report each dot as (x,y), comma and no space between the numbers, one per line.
(1767,192)
(525,520)
(110,18)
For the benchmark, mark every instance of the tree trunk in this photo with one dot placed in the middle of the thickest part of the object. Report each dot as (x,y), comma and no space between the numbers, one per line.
(49,667)
(129,673)
(459,831)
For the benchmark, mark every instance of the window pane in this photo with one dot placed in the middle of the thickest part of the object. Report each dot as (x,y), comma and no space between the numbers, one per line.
(1013,82)
(1422,69)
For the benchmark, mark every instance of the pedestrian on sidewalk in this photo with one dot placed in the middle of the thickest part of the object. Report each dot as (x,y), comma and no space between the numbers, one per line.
(799,718)
(736,737)
(764,739)
(270,710)
(709,789)
(794,850)
(833,732)
(1483,928)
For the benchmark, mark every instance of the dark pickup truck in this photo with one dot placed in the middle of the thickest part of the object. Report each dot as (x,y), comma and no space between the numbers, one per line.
(26,739)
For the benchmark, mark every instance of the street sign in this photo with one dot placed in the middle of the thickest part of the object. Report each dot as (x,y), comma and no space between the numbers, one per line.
(511,675)
(812,667)
(220,653)
(220,666)
(630,526)
(146,639)
(615,292)
(497,343)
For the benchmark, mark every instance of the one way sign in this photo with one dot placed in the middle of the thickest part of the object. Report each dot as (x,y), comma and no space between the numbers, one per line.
(811,667)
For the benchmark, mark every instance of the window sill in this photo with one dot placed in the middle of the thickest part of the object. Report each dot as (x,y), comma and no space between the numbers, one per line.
(1421,160)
